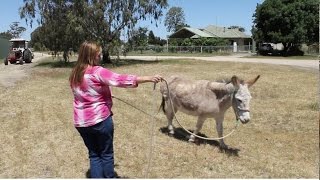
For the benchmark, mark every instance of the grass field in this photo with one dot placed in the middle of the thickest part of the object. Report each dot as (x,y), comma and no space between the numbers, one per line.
(38,139)
(305,57)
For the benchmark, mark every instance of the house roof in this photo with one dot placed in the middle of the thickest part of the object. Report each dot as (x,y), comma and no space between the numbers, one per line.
(188,32)
(224,32)
(209,31)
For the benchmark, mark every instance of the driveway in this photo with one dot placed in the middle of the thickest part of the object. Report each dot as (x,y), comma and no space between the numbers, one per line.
(14,72)
(309,64)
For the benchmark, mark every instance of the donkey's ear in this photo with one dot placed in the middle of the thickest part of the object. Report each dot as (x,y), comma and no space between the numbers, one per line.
(252,81)
(235,81)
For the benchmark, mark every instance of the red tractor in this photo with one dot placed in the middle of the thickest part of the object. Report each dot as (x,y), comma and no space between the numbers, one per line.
(19,51)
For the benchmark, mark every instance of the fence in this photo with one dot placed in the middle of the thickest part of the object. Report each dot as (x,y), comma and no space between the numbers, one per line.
(308,50)
(193,49)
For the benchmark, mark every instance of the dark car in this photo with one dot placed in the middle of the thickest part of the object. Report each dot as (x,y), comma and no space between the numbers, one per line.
(265,49)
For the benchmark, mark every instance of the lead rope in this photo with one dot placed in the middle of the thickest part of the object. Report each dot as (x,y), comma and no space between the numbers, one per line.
(152,137)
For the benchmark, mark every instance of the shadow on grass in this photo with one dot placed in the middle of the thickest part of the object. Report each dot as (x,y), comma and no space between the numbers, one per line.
(182,135)
(119,63)
(56,64)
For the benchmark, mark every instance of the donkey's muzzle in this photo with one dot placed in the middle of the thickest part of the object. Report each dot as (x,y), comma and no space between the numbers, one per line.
(245,121)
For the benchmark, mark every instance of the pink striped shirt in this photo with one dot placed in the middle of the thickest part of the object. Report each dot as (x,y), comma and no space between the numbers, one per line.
(92,100)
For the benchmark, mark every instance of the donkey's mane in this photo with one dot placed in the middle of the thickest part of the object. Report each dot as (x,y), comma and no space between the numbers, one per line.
(224,80)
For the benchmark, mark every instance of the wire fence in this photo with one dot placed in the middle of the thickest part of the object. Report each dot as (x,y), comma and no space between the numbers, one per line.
(192,49)
(308,50)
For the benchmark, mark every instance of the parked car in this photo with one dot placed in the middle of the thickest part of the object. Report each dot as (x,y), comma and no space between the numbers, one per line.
(278,50)
(265,49)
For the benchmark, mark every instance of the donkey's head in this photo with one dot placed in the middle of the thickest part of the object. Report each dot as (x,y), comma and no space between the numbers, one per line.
(241,98)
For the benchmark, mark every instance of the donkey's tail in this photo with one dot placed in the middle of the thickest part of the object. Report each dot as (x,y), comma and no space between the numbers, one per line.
(163,103)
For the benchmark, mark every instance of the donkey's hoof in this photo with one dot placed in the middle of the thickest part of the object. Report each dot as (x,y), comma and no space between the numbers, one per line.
(171,133)
(191,140)
(223,147)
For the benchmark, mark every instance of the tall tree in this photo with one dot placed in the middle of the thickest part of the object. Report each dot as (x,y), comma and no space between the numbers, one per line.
(6,35)
(139,38)
(151,38)
(16,30)
(175,19)
(290,22)
(101,20)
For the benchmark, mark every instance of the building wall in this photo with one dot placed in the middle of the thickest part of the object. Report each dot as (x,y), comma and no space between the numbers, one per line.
(4,48)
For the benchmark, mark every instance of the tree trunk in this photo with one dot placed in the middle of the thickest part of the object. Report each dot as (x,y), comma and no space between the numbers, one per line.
(66,56)
(106,57)
(286,47)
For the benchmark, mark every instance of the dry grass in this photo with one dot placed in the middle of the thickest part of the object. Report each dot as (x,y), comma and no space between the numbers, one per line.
(38,139)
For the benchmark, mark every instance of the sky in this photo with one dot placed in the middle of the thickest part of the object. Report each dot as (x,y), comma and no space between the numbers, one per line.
(198,14)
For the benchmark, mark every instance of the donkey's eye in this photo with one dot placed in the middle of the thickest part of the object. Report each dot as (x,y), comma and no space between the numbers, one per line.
(239,100)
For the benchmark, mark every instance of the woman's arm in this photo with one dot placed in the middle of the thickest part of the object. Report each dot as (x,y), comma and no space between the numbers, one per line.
(144,79)
(124,80)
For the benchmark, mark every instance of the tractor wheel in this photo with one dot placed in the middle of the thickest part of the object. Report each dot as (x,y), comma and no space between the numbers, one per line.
(6,61)
(27,56)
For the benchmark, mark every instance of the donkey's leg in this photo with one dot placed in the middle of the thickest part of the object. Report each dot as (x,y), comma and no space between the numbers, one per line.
(219,126)
(170,114)
(200,122)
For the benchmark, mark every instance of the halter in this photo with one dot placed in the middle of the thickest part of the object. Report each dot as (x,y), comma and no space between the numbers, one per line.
(235,108)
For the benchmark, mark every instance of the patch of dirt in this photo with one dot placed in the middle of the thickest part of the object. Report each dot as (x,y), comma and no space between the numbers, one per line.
(12,73)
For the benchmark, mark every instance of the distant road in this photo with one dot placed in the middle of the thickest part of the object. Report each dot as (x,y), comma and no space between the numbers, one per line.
(310,64)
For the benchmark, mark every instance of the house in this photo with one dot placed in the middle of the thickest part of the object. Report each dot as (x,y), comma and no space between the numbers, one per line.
(233,35)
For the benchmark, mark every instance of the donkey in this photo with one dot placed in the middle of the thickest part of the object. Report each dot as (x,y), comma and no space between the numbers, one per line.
(206,99)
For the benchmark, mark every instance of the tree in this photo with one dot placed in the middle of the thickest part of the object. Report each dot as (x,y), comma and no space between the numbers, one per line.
(175,19)
(102,21)
(290,22)
(139,38)
(154,40)
(151,38)
(6,35)
(38,39)
(16,30)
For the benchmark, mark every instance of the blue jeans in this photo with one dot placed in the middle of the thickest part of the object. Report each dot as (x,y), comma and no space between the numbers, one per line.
(99,141)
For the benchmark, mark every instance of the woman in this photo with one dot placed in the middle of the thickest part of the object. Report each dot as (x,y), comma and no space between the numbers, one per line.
(90,84)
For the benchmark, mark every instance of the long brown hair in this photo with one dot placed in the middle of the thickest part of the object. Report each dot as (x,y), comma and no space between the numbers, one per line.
(87,56)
